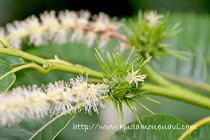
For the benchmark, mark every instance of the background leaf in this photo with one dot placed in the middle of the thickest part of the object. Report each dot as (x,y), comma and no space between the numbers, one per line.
(7,81)
(26,129)
(11,59)
(202,133)
(194,39)
(160,120)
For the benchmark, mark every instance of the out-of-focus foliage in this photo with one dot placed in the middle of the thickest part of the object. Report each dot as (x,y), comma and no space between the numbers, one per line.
(194,39)
(157,133)
(36,129)
(6,82)
(184,5)
(175,128)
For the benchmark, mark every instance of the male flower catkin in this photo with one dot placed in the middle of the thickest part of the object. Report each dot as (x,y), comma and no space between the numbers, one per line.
(53,99)
(67,26)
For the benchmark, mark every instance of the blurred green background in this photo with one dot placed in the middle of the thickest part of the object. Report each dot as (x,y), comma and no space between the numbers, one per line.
(195,22)
(19,9)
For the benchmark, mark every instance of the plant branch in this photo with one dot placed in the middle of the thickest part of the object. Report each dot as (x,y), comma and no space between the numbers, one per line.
(172,91)
(26,66)
(49,65)
(76,69)
(179,94)
(24,55)
(155,76)
(5,43)
(188,82)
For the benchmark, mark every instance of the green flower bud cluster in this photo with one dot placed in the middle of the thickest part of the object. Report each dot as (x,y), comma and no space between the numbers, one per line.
(150,33)
(125,81)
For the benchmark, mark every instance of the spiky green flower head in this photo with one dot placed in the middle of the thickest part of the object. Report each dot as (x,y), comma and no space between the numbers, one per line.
(125,81)
(150,33)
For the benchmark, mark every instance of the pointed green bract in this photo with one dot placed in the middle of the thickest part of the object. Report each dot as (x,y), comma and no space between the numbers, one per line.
(125,80)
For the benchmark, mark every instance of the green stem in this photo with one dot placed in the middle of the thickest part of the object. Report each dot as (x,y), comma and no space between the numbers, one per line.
(155,76)
(26,66)
(172,91)
(178,94)
(76,70)
(50,65)
(24,55)
(5,43)
(188,82)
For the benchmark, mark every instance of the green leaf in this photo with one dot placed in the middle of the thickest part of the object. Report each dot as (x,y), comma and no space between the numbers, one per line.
(44,129)
(11,59)
(202,133)
(7,81)
(133,131)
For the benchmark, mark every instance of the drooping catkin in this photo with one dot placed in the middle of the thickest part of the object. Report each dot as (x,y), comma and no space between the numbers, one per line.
(35,103)
(67,26)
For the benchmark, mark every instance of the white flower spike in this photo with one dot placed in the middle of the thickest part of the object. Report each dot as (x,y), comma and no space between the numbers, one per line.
(53,99)
(68,26)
